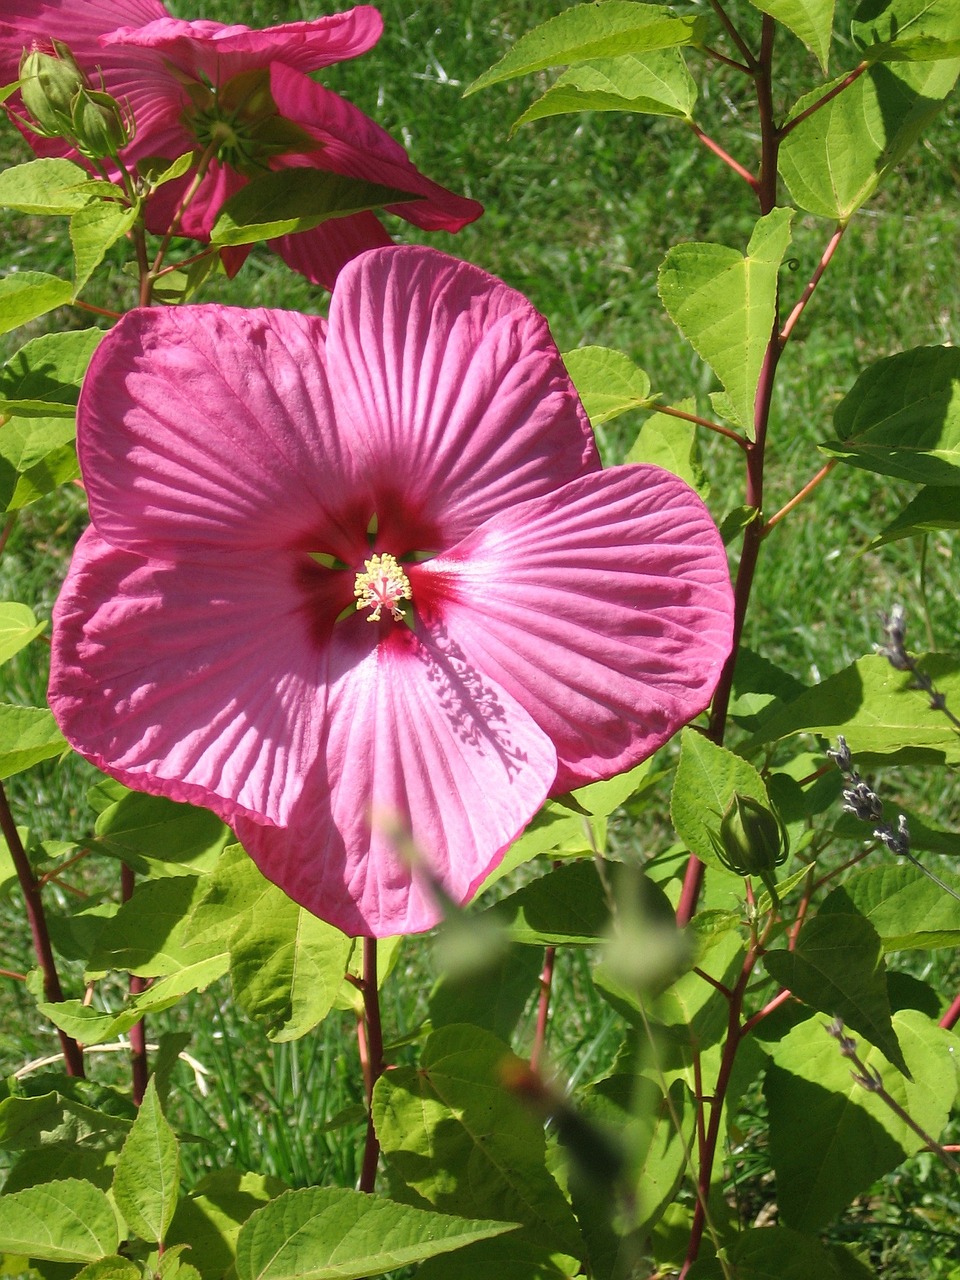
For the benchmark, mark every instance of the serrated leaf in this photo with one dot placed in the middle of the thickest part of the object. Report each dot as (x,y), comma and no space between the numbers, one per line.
(151,832)
(331,1233)
(51,1119)
(566,906)
(27,735)
(87,1025)
(834,160)
(36,456)
(607,381)
(724,303)
(18,627)
(588,31)
(707,778)
(210,1217)
(934,508)
(291,200)
(24,295)
(113,1268)
(509,1257)
(451,1131)
(493,998)
(837,967)
(43,187)
(64,1221)
(93,229)
(907,30)
(43,378)
(778,1253)
(908,910)
(830,1138)
(656,84)
(880,716)
(670,442)
(146,935)
(811,21)
(902,418)
(146,1184)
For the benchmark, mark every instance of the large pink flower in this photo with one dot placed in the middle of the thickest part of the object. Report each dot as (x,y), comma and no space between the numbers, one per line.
(189,82)
(352,577)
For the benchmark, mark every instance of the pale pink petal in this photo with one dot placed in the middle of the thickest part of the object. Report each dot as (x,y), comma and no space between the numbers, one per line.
(200,680)
(605,609)
(451,387)
(215,426)
(418,739)
(204,48)
(321,254)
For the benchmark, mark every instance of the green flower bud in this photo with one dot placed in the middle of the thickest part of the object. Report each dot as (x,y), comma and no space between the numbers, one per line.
(752,839)
(99,124)
(48,84)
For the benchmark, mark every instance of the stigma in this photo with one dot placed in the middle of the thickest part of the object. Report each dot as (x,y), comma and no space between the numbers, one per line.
(382,585)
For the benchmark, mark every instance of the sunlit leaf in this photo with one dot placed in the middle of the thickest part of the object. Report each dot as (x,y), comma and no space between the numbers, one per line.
(64,1221)
(146,1184)
(43,186)
(607,381)
(43,378)
(656,84)
(24,295)
(810,21)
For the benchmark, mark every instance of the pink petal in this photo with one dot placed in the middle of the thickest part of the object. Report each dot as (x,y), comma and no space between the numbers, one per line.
(200,680)
(417,739)
(605,609)
(453,392)
(205,48)
(321,254)
(214,426)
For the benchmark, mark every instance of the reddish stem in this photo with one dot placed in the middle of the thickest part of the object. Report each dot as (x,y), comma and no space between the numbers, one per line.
(767,1009)
(371,1054)
(543,1007)
(845,83)
(734,35)
(952,1015)
(671,412)
(139,1064)
(52,991)
(725,156)
(800,496)
(812,283)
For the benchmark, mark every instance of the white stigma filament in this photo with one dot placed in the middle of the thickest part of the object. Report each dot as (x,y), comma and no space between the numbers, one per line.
(382,585)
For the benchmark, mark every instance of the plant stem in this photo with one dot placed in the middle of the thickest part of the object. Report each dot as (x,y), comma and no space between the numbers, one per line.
(371,1050)
(725,156)
(53,993)
(799,497)
(671,412)
(812,283)
(952,1015)
(543,1007)
(734,35)
(845,83)
(140,1067)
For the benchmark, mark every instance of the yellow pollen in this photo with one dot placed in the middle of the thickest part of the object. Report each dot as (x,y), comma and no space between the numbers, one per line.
(382,586)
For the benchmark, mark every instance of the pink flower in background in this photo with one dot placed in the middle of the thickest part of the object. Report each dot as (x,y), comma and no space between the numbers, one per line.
(352,576)
(188,84)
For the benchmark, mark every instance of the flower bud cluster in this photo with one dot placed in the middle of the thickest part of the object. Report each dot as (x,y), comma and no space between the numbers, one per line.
(62,103)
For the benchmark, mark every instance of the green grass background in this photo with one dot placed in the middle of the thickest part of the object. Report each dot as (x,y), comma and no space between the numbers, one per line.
(579,214)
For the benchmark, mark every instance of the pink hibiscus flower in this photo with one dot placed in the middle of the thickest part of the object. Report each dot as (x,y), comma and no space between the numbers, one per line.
(188,84)
(352,576)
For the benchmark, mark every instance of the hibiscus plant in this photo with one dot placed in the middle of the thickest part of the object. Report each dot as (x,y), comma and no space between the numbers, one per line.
(362,643)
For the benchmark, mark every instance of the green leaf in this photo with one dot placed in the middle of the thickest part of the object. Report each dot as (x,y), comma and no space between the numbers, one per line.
(53,1120)
(777,1253)
(902,417)
(25,295)
(331,1233)
(656,84)
(153,835)
(811,21)
(43,186)
(934,508)
(43,378)
(88,1025)
(146,1184)
(588,31)
(36,456)
(18,627)
(112,1268)
(671,443)
(907,30)
(93,229)
(834,160)
(607,381)
(907,909)
(210,1217)
(567,905)
(64,1221)
(880,716)
(450,1131)
(837,967)
(725,304)
(290,200)
(147,934)
(830,1138)
(707,777)
(509,1257)
(493,998)
(27,735)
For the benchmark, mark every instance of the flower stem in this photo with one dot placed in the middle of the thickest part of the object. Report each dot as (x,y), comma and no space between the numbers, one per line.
(53,993)
(371,1053)
(138,1032)
(543,1007)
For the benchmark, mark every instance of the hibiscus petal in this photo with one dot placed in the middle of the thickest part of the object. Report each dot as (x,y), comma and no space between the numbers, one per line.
(452,391)
(214,425)
(419,741)
(206,48)
(322,253)
(200,680)
(605,609)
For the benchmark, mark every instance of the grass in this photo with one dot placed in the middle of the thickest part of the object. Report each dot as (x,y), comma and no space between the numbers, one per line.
(579,214)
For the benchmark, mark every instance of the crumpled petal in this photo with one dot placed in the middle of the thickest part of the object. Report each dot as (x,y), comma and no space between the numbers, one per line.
(420,747)
(200,680)
(215,425)
(454,392)
(604,608)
